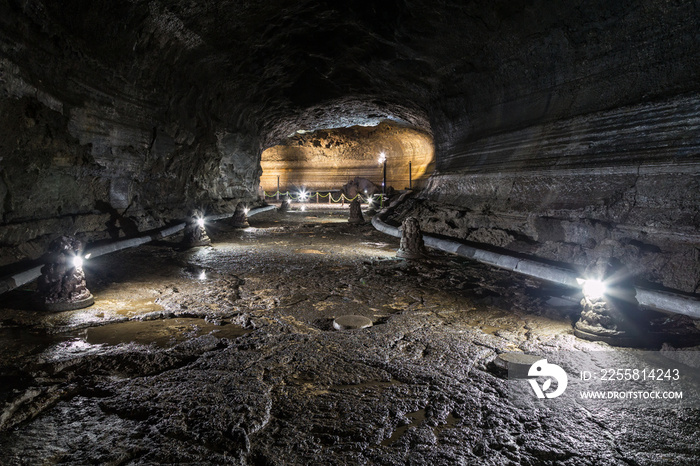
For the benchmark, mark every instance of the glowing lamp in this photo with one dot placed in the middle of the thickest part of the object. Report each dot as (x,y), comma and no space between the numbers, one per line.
(77,262)
(610,310)
(195,233)
(382,158)
(593,289)
(203,275)
(60,287)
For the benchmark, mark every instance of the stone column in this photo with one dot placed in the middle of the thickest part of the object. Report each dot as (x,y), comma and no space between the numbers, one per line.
(240,217)
(61,286)
(195,234)
(284,207)
(412,246)
(611,311)
(356,212)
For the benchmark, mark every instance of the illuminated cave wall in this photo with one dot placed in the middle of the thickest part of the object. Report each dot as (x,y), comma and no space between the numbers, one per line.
(327,159)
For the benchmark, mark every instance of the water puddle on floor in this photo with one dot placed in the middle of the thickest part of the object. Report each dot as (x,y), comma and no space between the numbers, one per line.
(130,308)
(308,251)
(489,329)
(450,423)
(377,245)
(416,418)
(363,385)
(162,332)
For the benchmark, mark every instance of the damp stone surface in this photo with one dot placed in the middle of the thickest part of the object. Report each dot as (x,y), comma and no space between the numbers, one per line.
(237,360)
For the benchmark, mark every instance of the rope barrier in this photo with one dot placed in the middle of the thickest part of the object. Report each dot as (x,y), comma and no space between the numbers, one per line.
(317,195)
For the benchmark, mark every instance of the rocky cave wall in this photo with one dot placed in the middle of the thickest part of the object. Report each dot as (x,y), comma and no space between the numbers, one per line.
(327,159)
(588,134)
(99,143)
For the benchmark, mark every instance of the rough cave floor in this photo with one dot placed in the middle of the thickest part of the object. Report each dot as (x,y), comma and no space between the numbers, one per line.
(416,388)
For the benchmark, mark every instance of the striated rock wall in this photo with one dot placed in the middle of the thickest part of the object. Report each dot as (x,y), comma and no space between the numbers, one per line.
(575,125)
(630,175)
(327,159)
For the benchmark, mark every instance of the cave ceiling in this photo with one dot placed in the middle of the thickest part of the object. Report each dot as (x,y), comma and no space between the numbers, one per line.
(273,67)
(277,66)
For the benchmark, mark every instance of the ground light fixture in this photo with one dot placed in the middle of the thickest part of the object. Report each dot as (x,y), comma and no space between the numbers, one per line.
(593,289)
(195,233)
(240,216)
(61,286)
(78,262)
(610,311)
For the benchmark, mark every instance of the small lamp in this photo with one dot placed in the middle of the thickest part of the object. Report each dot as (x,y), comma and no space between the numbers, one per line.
(61,286)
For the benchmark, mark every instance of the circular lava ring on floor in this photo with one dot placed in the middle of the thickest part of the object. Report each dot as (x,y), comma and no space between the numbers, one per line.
(516,364)
(351,322)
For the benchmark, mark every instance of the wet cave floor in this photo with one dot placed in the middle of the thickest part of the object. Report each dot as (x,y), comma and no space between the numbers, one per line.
(227,355)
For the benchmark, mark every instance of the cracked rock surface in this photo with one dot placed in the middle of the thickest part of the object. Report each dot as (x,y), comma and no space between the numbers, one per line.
(415,388)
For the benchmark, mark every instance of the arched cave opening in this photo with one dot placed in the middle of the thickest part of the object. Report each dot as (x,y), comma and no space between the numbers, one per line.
(326,160)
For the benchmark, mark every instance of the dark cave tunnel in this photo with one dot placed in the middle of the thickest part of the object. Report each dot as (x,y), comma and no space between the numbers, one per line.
(397,232)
